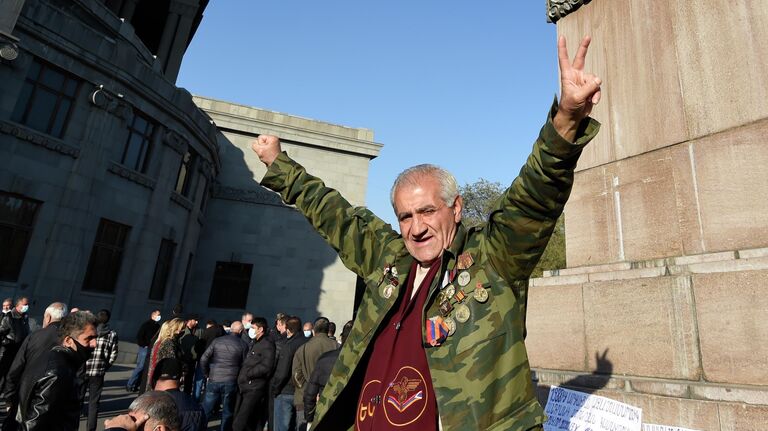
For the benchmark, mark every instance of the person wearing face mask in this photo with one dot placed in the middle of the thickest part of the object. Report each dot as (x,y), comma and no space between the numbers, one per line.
(152,411)
(308,328)
(305,359)
(253,380)
(14,328)
(246,320)
(49,392)
(36,344)
(166,346)
(101,359)
(7,305)
(147,331)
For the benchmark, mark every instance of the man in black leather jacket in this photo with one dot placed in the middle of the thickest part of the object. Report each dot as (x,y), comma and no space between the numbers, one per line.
(49,392)
(221,363)
(251,412)
(14,328)
(35,345)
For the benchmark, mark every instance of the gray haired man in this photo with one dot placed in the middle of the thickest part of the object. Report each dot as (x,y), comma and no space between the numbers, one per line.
(153,410)
(35,345)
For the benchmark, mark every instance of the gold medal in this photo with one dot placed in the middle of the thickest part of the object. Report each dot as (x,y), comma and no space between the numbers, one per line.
(480,294)
(451,325)
(464,278)
(449,291)
(462,313)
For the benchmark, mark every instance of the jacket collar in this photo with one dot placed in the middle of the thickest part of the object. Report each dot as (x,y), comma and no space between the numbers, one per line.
(457,245)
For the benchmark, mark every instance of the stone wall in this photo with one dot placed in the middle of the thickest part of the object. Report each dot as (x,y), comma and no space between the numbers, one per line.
(662,303)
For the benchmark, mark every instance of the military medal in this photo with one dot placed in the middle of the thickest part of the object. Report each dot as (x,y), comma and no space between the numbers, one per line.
(464,261)
(445,307)
(451,324)
(437,331)
(459,296)
(462,313)
(480,294)
(464,278)
(386,291)
(448,291)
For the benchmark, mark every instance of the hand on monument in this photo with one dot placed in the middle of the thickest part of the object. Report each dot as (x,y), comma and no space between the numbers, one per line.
(579,90)
(267,147)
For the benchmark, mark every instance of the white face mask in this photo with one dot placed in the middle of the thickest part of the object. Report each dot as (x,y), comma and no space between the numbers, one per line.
(307,334)
(157,318)
(6,311)
(252,333)
(24,308)
(247,325)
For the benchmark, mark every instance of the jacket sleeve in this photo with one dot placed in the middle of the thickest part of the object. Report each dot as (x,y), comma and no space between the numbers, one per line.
(12,379)
(47,392)
(113,350)
(297,370)
(519,227)
(5,326)
(206,358)
(310,394)
(282,371)
(357,235)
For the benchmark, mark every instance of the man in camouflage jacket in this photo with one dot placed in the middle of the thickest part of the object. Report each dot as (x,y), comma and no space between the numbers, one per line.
(480,373)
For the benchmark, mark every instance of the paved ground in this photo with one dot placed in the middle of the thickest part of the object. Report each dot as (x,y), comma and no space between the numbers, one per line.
(115,400)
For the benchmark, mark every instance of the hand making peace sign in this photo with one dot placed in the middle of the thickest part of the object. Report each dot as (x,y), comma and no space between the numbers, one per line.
(579,90)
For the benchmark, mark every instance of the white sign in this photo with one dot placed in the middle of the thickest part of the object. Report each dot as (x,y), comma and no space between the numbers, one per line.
(652,427)
(576,411)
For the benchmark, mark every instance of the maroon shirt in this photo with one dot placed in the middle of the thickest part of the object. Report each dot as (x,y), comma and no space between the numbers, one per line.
(397,390)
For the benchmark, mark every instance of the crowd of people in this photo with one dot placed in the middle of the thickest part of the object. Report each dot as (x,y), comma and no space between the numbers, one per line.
(255,375)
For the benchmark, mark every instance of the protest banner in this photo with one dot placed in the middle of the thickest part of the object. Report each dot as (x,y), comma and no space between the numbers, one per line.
(569,410)
(654,427)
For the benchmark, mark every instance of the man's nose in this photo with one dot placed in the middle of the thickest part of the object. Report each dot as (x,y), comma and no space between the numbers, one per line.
(418,227)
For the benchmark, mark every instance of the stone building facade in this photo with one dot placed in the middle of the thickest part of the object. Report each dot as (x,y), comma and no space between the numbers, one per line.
(112,179)
(663,302)
(248,231)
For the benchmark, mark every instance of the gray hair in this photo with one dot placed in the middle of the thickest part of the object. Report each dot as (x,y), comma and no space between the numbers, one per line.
(75,323)
(160,407)
(57,311)
(449,189)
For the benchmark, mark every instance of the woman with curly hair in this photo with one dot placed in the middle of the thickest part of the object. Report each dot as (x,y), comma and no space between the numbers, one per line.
(166,346)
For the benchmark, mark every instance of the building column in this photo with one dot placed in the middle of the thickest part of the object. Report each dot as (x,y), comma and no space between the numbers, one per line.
(186,10)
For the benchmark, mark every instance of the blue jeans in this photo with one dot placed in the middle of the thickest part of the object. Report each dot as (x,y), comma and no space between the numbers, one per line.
(285,413)
(197,391)
(133,382)
(224,392)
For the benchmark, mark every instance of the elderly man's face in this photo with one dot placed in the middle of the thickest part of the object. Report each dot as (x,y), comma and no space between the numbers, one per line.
(7,305)
(427,224)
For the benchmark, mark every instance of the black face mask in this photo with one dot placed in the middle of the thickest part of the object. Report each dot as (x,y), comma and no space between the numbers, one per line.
(83,352)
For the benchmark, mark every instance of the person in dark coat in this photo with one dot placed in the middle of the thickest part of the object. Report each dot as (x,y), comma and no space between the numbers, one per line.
(35,345)
(49,391)
(212,331)
(221,363)
(167,378)
(14,328)
(147,332)
(253,380)
(189,343)
(320,375)
(282,387)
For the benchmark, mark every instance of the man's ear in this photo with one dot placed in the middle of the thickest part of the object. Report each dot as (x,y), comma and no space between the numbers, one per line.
(458,206)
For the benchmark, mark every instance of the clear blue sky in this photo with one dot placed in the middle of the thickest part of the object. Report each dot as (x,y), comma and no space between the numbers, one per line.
(465,85)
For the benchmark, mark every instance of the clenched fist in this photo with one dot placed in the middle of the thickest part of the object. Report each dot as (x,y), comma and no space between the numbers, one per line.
(267,147)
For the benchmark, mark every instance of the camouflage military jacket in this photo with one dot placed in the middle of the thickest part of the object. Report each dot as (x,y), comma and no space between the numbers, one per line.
(480,374)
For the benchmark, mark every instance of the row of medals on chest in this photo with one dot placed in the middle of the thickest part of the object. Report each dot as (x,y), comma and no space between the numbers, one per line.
(452,306)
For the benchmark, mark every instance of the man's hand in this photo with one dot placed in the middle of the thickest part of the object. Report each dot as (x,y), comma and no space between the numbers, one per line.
(267,147)
(579,90)
(126,422)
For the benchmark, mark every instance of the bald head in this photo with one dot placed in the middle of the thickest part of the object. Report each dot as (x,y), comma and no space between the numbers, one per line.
(236,328)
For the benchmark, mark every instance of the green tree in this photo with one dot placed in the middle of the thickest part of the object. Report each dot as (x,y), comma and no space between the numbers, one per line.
(481,196)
